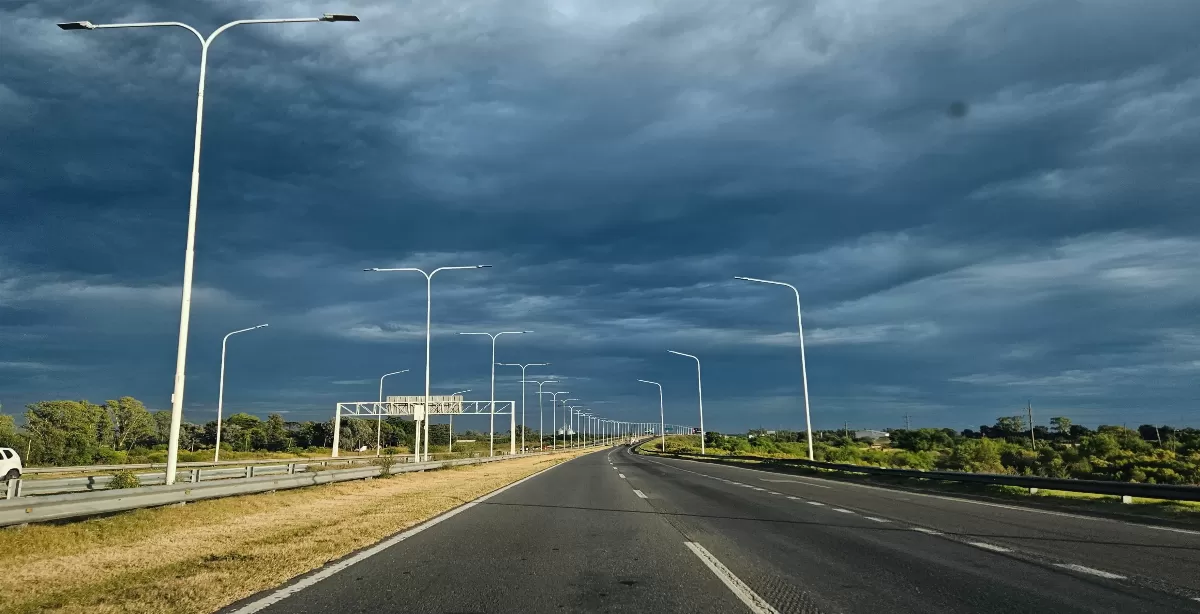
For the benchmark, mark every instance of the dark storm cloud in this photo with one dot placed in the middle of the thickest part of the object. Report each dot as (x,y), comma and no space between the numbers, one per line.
(617,163)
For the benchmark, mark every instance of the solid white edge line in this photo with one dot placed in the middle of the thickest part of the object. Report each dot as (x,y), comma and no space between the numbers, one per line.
(842,510)
(876,519)
(927,531)
(1089,570)
(640,493)
(303,583)
(794,498)
(987,546)
(756,604)
(815,503)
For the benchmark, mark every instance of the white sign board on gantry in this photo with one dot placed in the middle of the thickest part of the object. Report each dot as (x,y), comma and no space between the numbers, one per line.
(438,404)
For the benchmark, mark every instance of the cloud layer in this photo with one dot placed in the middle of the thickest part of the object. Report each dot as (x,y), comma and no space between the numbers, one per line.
(981,203)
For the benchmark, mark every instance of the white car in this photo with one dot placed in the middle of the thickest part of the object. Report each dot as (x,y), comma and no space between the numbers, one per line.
(10,464)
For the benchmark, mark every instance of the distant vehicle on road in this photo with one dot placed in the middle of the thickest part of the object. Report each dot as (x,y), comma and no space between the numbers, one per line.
(10,464)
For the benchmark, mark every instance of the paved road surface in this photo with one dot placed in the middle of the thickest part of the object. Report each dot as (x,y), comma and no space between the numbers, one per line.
(617,532)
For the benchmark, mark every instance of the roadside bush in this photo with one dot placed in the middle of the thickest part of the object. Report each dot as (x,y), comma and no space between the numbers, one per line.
(385,464)
(124,479)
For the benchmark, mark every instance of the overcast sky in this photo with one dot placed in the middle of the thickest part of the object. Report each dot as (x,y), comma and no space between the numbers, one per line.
(982,203)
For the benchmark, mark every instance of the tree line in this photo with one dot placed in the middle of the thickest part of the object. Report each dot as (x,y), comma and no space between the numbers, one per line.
(1150,453)
(65,432)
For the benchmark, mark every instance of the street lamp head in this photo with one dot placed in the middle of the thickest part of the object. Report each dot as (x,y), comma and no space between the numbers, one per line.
(77,25)
(339,17)
(483,266)
(262,326)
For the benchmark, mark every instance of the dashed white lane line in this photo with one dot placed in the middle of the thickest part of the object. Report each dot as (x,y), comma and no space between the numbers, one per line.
(1089,570)
(756,604)
(757,488)
(842,510)
(876,519)
(640,493)
(800,482)
(775,493)
(794,498)
(818,503)
(927,531)
(621,475)
(987,546)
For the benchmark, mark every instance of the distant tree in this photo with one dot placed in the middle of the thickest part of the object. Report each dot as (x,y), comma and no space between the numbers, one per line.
(9,438)
(131,423)
(1011,425)
(162,425)
(1079,431)
(1061,426)
(63,432)
(275,435)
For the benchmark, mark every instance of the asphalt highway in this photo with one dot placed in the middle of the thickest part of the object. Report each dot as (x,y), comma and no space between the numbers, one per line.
(617,532)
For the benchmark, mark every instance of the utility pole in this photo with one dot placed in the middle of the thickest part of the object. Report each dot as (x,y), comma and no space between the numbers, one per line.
(847,430)
(907,422)
(1032,439)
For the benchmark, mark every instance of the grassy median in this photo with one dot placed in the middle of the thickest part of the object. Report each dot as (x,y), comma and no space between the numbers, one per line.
(205,555)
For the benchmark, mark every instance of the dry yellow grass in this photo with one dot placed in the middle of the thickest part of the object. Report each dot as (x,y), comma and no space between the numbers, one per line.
(205,555)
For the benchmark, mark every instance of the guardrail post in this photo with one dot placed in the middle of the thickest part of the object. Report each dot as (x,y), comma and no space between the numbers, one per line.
(291,468)
(12,489)
(195,477)
(250,471)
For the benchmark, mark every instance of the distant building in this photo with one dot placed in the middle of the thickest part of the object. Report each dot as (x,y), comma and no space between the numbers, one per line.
(871,434)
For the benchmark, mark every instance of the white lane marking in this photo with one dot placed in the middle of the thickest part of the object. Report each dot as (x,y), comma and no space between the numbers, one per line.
(1089,570)
(757,488)
(815,503)
(287,591)
(640,493)
(756,604)
(743,485)
(927,531)
(621,475)
(987,546)
(800,482)
(844,511)
(1172,529)
(794,498)
(876,519)
(775,493)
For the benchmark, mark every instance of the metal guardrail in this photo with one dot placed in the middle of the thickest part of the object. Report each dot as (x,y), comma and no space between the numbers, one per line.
(1171,492)
(400,458)
(22,510)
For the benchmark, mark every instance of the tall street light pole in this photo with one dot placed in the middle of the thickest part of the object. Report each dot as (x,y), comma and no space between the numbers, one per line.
(803,365)
(379,416)
(699,392)
(428,338)
(221,387)
(554,418)
(189,254)
(450,446)
(541,424)
(568,421)
(512,438)
(662,420)
(523,367)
